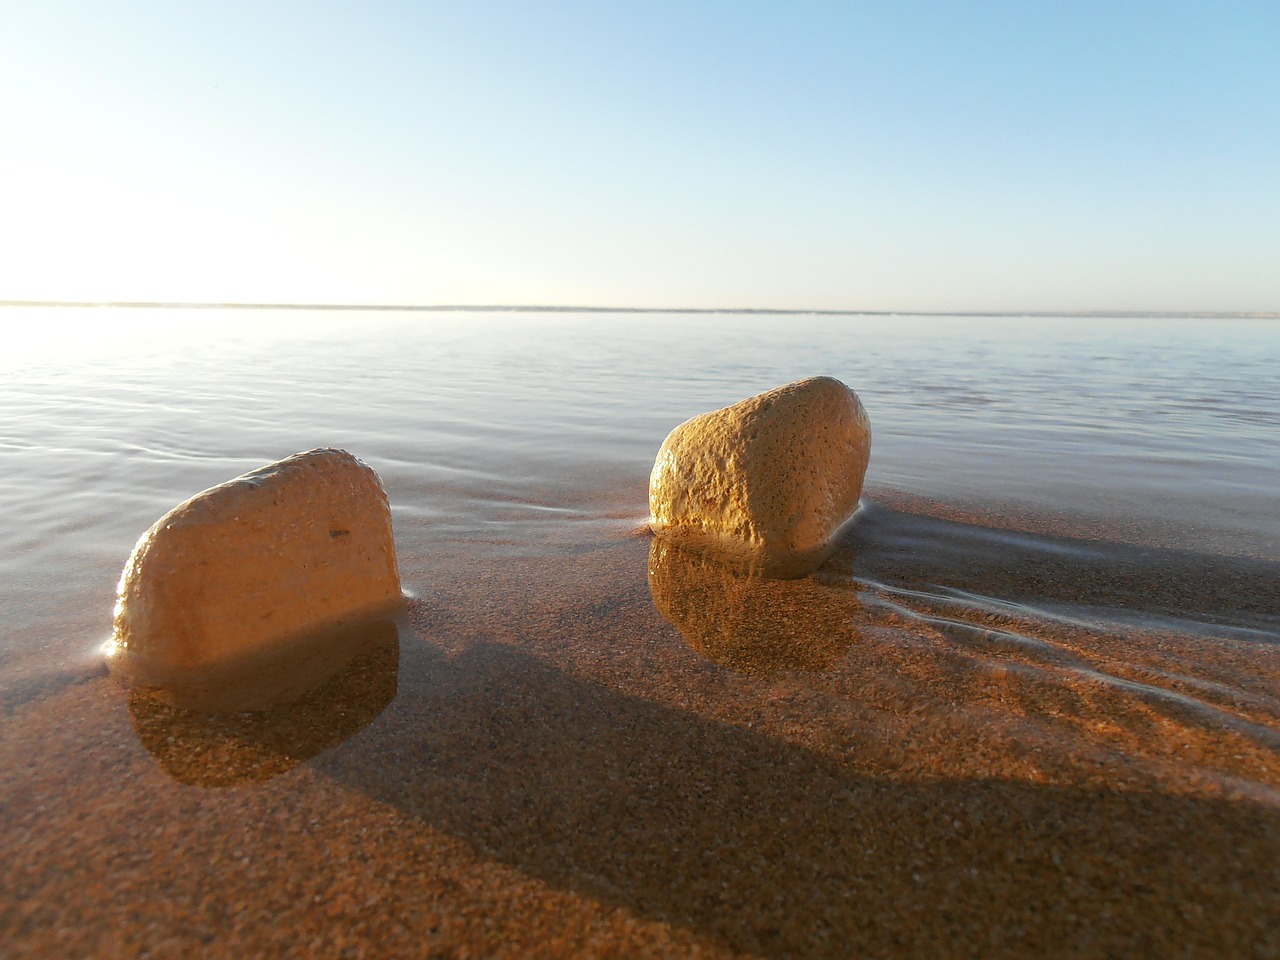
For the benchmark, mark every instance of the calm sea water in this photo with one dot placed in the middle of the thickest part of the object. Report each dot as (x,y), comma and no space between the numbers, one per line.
(523,433)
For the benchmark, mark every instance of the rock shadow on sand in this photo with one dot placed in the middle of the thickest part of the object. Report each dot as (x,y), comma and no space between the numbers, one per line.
(768,848)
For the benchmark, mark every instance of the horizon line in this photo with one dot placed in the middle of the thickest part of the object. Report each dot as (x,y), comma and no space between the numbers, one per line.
(537,308)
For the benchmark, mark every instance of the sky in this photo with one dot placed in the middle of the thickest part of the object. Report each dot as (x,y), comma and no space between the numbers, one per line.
(855,155)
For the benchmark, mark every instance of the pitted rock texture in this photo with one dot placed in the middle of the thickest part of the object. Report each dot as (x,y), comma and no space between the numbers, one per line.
(255,566)
(765,485)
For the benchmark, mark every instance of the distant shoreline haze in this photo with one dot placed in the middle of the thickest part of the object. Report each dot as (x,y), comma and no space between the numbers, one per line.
(525,308)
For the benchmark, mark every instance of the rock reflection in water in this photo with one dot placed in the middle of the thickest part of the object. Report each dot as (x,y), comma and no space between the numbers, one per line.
(232,749)
(751,625)
(259,678)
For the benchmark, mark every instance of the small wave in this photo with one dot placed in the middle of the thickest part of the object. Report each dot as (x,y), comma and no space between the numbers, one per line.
(966,627)
(27,683)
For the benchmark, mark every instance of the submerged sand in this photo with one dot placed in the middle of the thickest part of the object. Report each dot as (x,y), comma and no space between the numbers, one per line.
(615,751)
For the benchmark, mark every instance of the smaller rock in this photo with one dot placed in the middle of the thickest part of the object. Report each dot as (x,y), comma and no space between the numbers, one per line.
(767,484)
(244,595)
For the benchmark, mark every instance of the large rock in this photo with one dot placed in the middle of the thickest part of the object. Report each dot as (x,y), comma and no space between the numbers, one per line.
(258,581)
(768,484)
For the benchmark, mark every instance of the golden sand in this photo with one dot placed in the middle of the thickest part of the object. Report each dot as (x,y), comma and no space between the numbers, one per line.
(562,771)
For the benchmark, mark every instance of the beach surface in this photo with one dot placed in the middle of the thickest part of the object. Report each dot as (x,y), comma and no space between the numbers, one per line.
(621,751)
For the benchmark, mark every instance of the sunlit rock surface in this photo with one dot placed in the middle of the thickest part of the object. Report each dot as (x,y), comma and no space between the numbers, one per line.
(768,483)
(752,625)
(254,591)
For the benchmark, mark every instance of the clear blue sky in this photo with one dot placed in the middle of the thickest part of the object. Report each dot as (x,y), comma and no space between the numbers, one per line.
(1010,155)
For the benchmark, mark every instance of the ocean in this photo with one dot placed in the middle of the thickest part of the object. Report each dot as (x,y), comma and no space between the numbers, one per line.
(1063,588)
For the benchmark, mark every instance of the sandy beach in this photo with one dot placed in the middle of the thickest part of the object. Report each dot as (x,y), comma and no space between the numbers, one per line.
(544,764)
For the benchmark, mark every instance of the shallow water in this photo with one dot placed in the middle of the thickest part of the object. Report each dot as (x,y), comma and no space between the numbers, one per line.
(1066,573)
(509,429)
(1133,444)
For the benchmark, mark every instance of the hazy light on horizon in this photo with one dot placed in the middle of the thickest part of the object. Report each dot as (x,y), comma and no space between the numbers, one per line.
(906,156)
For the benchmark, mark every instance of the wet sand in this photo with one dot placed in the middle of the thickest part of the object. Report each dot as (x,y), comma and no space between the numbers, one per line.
(618,751)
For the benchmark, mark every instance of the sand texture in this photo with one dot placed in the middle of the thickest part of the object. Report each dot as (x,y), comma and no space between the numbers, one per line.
(568,755)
